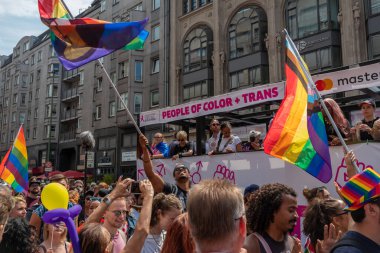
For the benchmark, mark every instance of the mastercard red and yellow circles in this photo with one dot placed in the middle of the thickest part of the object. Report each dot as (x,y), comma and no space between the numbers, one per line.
(325,84)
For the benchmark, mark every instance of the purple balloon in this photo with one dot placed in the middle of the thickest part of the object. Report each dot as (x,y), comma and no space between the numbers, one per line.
(67,216)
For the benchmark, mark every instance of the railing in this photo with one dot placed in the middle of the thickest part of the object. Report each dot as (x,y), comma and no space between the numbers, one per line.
(70,93)
(67,136)
(68,74)
(67,115)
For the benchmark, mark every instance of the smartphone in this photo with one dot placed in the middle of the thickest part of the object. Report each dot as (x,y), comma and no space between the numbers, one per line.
(135,187)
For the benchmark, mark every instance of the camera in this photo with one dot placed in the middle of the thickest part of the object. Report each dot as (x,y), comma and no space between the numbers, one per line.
(135,187)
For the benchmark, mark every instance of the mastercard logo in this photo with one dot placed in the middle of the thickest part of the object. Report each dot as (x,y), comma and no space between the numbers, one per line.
(325,84)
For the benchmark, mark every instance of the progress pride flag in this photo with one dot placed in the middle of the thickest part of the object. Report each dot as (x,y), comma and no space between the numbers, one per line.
(222,103)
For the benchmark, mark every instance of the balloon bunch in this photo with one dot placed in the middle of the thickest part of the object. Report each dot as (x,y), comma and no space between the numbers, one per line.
(55,198)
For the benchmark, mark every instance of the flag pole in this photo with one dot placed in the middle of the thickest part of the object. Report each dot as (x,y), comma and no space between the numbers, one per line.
(115,89)
(320,99)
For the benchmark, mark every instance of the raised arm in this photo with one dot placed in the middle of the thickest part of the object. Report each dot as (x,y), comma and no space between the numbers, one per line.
(154,178)
(119,191)
(136,242)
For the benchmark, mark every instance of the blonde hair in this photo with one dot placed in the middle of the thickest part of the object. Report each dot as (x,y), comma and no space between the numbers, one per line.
(17,199)
(47,231)
(74,196)
(93,238)
(181,135)
(164,203)
(208,201)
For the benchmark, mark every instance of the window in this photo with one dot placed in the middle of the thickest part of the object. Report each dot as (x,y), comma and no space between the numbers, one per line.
(39,56)
(36,113)
(103,5)
(34,133)
(195,91)
(23,98)
(32,60)
(323,59)
(123,69)
(81,78)
(247,32)
(21,117)
(49,131)
(13,116)
(5,119)
(196,48)
(248,77)
(156,4)
(17,80)
(138,70)
(155,32)
(24,80)
(29,114)
(115,2)
(308,17)
(52,90)
(15,98)
(137,103)
(154,98)
(50,111)
(374,6)
(374,46)
(31,77)
(124,97)
(25,47)
(27,134)
(12,135)
(6,102)
(37,93)
(53,69)
(99,82)
(155,65)
(38,74)
(113,78)
(138,7)
(98,113)
(51,51)
(112,109)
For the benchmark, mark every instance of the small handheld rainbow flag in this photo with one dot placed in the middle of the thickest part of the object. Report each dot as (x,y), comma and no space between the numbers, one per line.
(297,134)
(14,166)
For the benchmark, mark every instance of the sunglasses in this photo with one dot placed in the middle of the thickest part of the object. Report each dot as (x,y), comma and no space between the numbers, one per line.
(118,213)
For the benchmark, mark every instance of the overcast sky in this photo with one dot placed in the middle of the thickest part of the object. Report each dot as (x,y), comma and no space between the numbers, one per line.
(19,18)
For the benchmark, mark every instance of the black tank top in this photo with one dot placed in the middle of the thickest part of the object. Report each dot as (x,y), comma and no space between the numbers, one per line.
(275,246)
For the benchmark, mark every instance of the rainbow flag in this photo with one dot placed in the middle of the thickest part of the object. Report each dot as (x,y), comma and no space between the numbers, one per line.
(79,41)
(14,166)
(297,134)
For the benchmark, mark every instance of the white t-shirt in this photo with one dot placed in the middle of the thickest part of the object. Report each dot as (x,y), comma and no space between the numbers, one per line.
(212,143)
(230,142)
(153,243)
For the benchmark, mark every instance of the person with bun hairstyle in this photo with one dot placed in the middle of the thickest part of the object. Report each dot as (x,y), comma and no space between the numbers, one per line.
(317,192)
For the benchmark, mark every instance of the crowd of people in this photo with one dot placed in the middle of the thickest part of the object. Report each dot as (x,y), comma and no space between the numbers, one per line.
(223,141)
(212,216)
(154,216)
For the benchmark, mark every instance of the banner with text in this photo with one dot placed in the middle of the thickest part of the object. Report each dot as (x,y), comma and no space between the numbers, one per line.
(246,168)
(332,82)
(222,103)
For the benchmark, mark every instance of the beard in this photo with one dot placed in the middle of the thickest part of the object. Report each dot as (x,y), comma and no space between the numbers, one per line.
(35,191)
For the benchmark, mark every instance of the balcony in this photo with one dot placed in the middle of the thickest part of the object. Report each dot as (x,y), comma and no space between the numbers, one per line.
(70,94)
(69,115)
(71,75)
(67,136)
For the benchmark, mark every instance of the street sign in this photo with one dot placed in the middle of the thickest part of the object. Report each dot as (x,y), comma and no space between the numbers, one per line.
(48,166)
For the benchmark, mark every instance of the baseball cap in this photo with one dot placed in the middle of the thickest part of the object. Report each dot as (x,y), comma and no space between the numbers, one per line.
(34,180)
(368,102)
(251,188)
(361,189)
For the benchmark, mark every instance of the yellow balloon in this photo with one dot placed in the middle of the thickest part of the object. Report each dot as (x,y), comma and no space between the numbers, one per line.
(54,196)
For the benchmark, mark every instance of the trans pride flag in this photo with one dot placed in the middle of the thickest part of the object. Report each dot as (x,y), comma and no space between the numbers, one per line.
(79,41)
(297,134)
(14,167)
